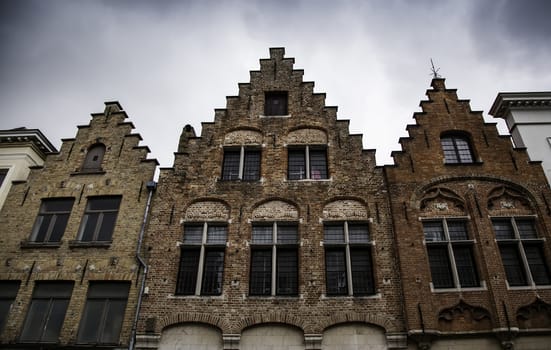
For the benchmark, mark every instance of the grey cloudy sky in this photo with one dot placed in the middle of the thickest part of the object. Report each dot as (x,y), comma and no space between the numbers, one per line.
(170,63)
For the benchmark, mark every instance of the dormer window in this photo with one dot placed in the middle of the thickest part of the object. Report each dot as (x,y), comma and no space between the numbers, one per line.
(275,103)
(457,148)
(94,157)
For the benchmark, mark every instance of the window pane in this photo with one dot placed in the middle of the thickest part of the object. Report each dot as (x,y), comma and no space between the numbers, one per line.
(297,164)
(358,233)
(262,234)
(275,103)
(114,315)
(8,292)
(463,150)
(513,266)
(318,164)
(193,234)
(434,231)
(52,219)
(57,205)
(90,322)
(36,318)
(440,267)
(464,262)
(503,229)
(456,149)
(187,276)
(89,222)
(59,227)
(108,290)
(41,228)
(107,226)
(216,234)
(362,273)
(526,229)
(213,273)
(457,230)
(251,168)
(55,320)
(287,272)
(333,233)
(287,234)
(230,168)
(261,272)
(448,147)
(335,268)
(536,262)
(104,203)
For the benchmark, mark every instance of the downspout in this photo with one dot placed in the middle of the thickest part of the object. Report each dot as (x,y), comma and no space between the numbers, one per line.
(151,186)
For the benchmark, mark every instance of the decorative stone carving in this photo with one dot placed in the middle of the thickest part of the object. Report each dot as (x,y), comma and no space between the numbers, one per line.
(438,201)
(346,209)
(243,137)
(535,315)
(307,136)
(207,210)
(274,210)
(463,317)
(506,201)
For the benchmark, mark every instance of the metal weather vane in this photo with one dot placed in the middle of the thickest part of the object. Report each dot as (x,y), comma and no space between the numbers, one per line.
(434,70)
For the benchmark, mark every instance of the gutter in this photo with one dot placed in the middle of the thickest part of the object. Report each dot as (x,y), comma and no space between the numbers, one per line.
(151,186)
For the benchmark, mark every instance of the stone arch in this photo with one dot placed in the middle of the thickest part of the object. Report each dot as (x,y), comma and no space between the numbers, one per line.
(440,200)
(504,200)
(207,210)
(370,318)
(279,317)
(275,209)
(243,136)
(173,319)
(354,336)
(191,335)
(463,316)
(272,335)
(535,315)
(306,135)
(345,209)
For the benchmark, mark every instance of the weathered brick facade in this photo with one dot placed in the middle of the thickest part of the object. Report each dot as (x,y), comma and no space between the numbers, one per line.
(32,259)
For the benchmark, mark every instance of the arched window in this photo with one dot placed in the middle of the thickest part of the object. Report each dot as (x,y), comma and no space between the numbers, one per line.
(93,159)
(457,148)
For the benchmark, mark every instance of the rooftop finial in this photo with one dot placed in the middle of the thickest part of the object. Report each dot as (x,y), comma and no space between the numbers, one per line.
(434,70)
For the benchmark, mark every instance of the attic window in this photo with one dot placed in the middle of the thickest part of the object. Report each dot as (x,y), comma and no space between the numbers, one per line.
(275,103)
(94,157)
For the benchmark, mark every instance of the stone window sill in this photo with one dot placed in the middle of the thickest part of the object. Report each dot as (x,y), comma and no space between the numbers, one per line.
(30,244)
(89,244)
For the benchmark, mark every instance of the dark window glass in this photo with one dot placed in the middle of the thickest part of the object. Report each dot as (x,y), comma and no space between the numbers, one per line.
(536,262)
(216,234)
(230,169)
(275,103)
(8,292)
(464,263)
(251,168)
(297,164)
(513,265)
(318,164)
(434,231)
(213,272)
(503,229)
(103,314)
(193,234)
(46,312)
(526,229)
(457,230)
(456,149)
(261,272)
(287,234)
(187,276)
(3,174)
(335,270)
(99,219)
(362,272)
(440,267)
(334,233)
(287,272)
(93,159)
(262,234)
(52,219)
(358,233)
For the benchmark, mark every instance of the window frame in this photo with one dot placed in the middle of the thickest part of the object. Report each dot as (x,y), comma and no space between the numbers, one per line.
(200,271)
(56,304)
(107,306)
(275,248)
(519,244)
(98,224)
(451,247)
(307,151)
(54,216)
(271,99)
(454,148)
(245,155)
(350,246)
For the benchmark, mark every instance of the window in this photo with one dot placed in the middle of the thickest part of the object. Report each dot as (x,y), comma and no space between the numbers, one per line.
(521,251)
(94,157)
(103,314)
(8,292)
(457,149)
(274,259)
(348,264)
(450,253)
(99,219)
(275,103)
(307,163)
(3,174)
(46,312)
(241,164)
(202,259)
(52,220)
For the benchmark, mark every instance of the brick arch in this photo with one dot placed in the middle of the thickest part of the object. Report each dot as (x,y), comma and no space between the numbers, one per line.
(207,209)
(192,317)
(307,135)
(345,208)
(270,208)
(271,317)
(243,136)
(347,317)
(442,200)
(506,199)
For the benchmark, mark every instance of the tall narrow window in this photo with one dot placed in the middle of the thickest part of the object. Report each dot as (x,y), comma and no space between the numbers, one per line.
(241,164)
(46,312)
(99,219)
(52,219)
(103,315)
(308,162)
(450,252)
(8,292)
(275,103)
(202,259)
(457,149)
(348,263)
(274,259)
(521,251)
(94,157)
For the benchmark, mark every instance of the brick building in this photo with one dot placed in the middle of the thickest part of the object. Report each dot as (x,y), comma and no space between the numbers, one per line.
(263,235)
(69,273)
(472,225)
